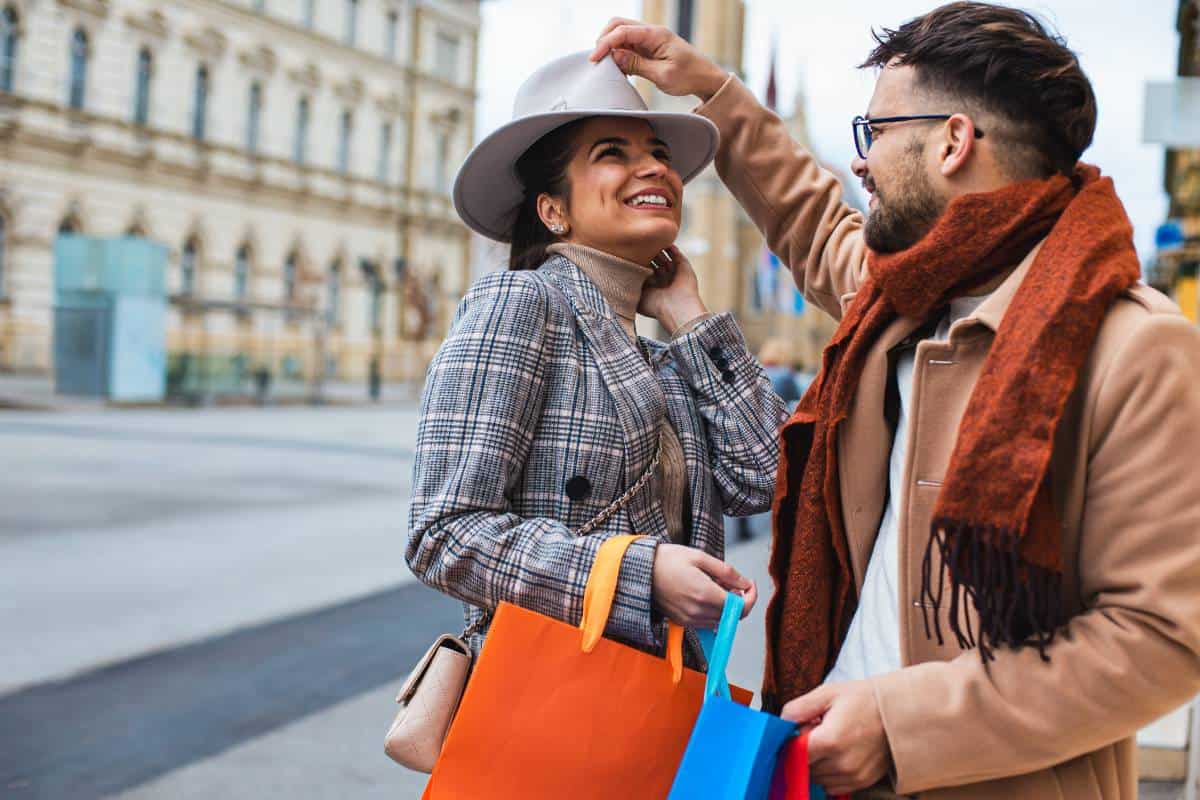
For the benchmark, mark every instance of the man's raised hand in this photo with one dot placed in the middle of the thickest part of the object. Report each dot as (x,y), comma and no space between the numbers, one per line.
(660,56)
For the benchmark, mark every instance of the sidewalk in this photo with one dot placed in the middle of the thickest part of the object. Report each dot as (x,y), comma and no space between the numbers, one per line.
(36,393)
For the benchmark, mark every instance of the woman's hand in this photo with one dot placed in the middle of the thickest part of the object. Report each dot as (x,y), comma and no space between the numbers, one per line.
(661,56)
(690,586)
(672,294)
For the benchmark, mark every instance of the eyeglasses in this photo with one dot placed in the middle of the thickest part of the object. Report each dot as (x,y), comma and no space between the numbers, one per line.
(862,128)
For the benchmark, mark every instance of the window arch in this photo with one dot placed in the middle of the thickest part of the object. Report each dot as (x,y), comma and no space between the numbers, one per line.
(9,27)
(80,53)
(200,103)
(345,135)
(241,272)
(187,266)
(300,143)
(254,116)
(141,95)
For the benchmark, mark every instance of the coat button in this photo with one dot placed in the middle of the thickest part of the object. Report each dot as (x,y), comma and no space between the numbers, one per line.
(578,488)
(715,352)
(727,376)
(721,363)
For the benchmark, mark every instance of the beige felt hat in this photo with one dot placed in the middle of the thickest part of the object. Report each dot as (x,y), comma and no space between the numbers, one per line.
(487,191)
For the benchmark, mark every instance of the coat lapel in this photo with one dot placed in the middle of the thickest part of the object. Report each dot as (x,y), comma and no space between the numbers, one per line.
(864,450)
(635,390)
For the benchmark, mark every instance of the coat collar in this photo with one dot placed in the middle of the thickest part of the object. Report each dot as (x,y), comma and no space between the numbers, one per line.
(571,281)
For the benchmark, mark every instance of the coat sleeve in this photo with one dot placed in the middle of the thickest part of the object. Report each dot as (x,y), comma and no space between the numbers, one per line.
(741,412)
(796,203)
(1133,654)
(479,414)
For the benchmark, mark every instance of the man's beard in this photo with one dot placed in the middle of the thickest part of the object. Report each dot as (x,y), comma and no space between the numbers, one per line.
(900,221)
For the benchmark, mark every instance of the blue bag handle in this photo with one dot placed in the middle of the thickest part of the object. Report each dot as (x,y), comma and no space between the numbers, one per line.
(718,646)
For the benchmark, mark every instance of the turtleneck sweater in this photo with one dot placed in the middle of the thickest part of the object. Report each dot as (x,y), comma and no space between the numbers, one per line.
(621,283)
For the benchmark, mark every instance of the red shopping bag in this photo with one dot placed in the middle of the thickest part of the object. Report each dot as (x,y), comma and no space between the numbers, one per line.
(791,780)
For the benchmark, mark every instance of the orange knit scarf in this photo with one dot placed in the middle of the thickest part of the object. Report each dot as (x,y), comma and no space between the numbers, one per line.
(994,524)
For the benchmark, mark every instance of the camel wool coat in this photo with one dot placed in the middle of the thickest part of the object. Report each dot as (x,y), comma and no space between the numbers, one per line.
(1125,477)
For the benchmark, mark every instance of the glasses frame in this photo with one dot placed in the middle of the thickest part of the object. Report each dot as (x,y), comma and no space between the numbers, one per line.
(865,124)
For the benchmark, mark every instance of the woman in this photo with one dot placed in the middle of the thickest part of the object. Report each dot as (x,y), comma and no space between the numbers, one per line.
(543,409)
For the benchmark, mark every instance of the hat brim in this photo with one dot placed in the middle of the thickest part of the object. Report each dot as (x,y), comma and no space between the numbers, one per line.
(488,193)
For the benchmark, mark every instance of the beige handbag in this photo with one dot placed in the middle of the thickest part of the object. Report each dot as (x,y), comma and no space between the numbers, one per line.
(428,700)
(430,696)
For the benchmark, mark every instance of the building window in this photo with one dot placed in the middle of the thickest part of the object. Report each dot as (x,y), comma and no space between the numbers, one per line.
(351,22)
(384,170)
(390,32)
(345,136)
(79,65)
(441,163)
(241,273)
(685,18)
(300,145)
(289,279)
(187,268)
(141,95)
(310,13)
(445,54)
(335,293)
(8,49)
(253,117)
(200,104)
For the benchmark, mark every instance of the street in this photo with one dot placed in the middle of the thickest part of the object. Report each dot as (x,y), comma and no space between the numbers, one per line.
(214,603)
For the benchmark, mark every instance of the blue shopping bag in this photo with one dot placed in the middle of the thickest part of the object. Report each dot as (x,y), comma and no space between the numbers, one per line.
(732,752)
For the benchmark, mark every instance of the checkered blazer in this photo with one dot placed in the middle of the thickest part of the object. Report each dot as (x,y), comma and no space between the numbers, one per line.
(536,385)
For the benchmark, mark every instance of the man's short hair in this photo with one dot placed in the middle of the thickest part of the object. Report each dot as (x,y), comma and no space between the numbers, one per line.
(1006,63)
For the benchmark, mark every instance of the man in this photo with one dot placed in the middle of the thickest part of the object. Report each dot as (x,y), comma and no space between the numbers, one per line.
(985,537)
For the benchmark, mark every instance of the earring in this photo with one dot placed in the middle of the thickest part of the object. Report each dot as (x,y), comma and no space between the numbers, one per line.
(558,229)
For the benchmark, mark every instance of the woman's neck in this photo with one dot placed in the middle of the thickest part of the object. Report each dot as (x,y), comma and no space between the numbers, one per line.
(618,279)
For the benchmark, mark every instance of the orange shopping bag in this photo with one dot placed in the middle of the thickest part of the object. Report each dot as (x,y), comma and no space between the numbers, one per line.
(553,711)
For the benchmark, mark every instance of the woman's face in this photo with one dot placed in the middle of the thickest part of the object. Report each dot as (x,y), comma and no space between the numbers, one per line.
(625,198)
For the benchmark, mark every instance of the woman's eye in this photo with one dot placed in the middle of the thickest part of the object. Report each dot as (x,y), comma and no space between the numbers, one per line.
(663,156)
(875,132)
(611,151)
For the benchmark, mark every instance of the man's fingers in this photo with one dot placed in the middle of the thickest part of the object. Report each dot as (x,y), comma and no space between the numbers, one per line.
(806,708)
(642,39)
(615,23)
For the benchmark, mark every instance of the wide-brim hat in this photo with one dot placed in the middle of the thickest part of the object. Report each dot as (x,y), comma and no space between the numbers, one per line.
(487,191)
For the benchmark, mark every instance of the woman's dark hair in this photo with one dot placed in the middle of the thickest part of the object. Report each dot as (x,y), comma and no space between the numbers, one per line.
(542,168)
(1006,62)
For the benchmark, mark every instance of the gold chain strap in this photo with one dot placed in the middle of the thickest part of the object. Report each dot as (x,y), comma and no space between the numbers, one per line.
(596,521)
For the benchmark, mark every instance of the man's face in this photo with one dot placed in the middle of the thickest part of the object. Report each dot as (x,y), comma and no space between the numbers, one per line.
(896,172)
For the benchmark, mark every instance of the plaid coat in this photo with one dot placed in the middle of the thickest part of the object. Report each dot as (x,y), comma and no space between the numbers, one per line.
(537,387)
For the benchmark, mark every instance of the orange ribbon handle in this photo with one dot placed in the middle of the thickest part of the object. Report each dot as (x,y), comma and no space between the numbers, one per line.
(598,600)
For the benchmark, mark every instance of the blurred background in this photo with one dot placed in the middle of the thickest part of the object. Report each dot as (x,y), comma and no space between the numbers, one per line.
(227,254)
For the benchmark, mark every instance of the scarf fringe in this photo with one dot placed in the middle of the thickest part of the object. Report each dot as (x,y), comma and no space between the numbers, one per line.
(1016,601)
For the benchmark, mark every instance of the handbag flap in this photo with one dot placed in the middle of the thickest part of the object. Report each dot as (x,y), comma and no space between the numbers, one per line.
(446,640)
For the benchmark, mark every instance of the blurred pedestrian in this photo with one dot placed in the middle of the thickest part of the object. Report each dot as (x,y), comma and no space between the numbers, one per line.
(775,356)
(544,411)
(985,557)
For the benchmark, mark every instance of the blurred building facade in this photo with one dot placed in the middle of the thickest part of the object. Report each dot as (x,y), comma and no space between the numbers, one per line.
(724,246)
(295,156)
(1174,271)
